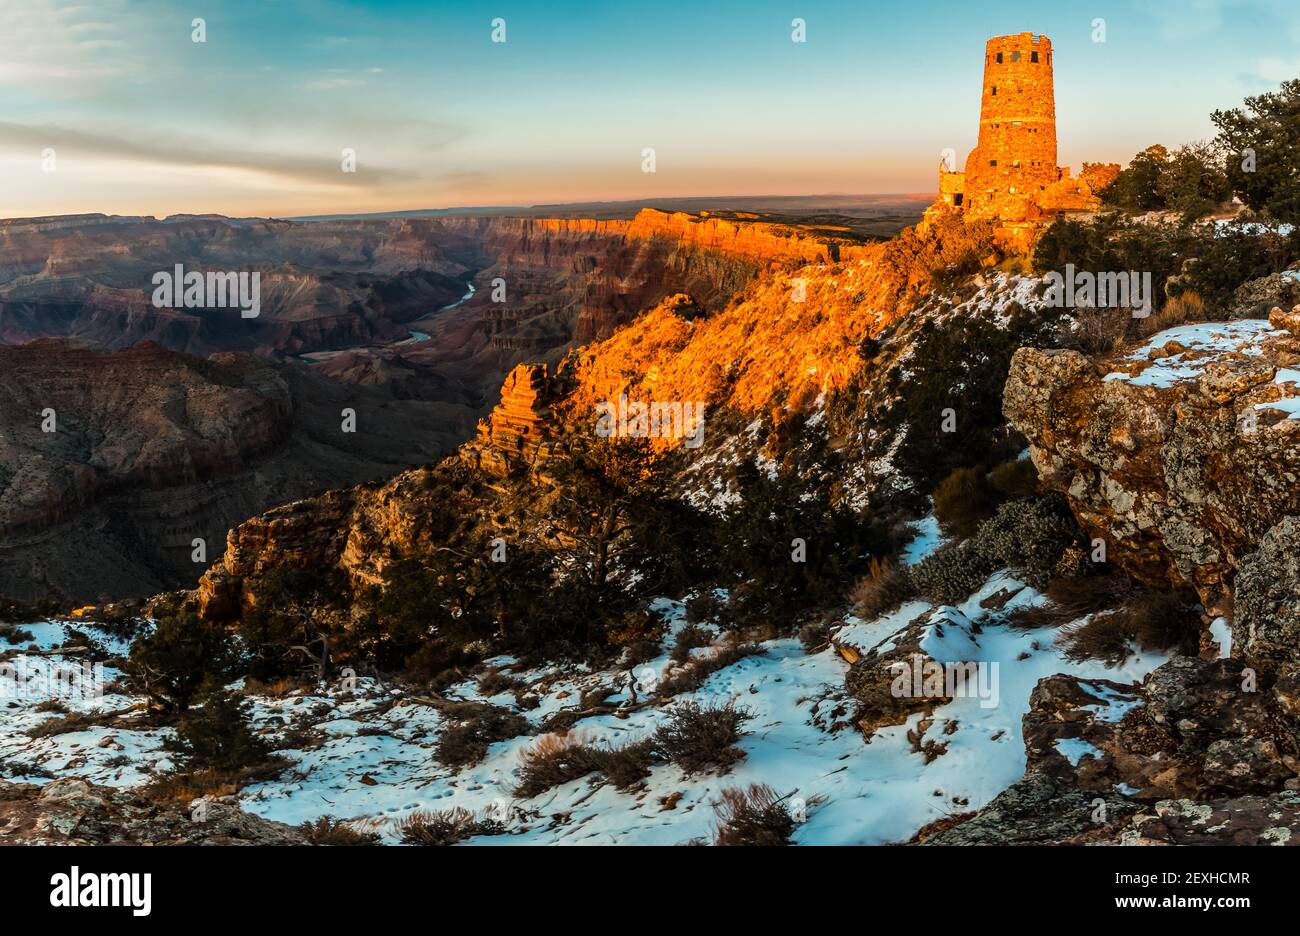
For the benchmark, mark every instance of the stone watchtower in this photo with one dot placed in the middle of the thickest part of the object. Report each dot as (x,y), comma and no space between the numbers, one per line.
(1015,157)
(1011,175)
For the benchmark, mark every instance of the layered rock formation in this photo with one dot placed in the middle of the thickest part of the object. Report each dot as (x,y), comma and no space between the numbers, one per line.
(321,286)
(149,450)
(520,430)
(333,284)
(325,284)
(80,423)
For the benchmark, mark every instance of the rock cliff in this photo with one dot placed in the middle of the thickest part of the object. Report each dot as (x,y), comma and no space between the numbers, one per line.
(1182,455)
(150,449)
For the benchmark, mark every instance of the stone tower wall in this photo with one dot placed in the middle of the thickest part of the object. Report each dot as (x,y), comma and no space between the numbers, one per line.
(1015,158)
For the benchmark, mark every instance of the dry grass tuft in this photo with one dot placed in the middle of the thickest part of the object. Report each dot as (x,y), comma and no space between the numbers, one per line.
(753,816)
(882,589)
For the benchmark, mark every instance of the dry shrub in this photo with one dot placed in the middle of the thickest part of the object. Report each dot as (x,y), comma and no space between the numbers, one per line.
(1162,620)
(495,682)
(276,689)
(753,816)
(1183,308)
(1072,598)
(1015,479)
(962,500)
(554,760)
(595,695)
(479,725)
(1098,331)
(187,786)
(639,651)
(628,765)
(445,827)
(60,725)
(882,589)
(330,831)
(690,637)
(1103,637)
(1154,620)
(814,636)
(702,738)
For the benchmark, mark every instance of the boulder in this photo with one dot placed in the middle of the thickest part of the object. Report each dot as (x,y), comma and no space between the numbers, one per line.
(1180,464)
(1266,626)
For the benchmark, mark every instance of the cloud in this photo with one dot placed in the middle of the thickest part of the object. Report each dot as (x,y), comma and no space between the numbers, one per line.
(330,84)
(162,152)
(1180,20)
(1277,70)
(50,46)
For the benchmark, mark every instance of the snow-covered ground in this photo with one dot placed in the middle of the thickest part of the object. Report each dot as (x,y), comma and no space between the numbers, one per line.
(1204,341)
(369,759)
(37,686)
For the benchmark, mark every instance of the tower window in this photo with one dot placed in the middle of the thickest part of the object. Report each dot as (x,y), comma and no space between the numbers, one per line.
(956,199)
(993,162)
(1033,56)
(995,90)
(999,58)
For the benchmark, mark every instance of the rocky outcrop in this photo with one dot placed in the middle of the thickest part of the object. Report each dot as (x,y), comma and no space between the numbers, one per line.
(1266,621)
(73,812)
(521,430)
(357,532)
(1181,455)
(1197,741)
(1240,820)
(1256,298)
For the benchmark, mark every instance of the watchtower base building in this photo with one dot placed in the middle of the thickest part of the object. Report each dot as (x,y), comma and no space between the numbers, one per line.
(1011,176)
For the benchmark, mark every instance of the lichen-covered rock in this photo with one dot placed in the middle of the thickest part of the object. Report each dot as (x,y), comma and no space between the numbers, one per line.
(1181,454)
(1244,820)
(71,811)
(1196,739)
(1254,298)
(1037,810)
(1266,625)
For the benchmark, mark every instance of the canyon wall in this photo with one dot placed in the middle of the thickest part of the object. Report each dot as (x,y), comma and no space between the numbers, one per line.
(111,465)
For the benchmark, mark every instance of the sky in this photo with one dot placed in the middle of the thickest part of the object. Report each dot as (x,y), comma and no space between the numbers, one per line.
(111,106)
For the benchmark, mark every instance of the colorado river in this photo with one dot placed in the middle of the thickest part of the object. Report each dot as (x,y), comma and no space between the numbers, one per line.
(316,357)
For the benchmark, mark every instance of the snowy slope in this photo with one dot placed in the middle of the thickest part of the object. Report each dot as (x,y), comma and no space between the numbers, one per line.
(372,761)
